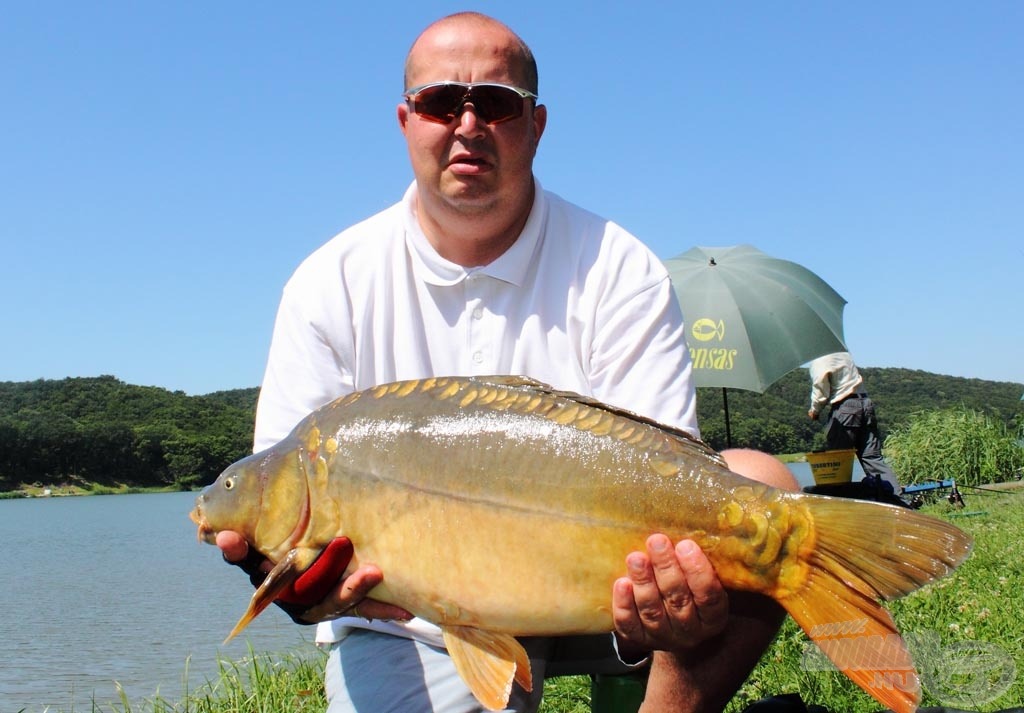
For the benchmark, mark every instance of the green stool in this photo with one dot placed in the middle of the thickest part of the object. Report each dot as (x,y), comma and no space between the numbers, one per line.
(620,693)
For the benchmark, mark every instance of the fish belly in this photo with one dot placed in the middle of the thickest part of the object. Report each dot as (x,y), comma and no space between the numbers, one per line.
(522,573)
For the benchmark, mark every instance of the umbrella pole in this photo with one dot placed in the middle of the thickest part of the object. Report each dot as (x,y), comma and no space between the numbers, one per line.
(728,431)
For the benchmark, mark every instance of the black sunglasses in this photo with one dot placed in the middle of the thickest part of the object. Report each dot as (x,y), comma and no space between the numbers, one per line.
(441,102)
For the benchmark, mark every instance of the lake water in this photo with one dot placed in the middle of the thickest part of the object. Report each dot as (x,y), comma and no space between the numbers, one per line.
(116,588)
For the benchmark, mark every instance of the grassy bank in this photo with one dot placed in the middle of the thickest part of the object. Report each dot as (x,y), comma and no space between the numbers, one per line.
(965,632)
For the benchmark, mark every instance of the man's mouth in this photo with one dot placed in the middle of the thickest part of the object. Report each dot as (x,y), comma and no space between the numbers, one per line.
(470,163)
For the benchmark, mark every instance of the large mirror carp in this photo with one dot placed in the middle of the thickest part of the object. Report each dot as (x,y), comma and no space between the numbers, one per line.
(499,507)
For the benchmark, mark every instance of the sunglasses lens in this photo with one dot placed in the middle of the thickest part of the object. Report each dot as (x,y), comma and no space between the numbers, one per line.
(443,102)
(439,102)
(494,104)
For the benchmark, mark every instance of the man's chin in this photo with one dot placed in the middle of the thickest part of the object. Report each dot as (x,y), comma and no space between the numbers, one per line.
(471,198)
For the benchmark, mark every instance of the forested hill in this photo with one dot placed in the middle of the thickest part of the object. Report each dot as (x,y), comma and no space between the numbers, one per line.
(776,421)
(101,430)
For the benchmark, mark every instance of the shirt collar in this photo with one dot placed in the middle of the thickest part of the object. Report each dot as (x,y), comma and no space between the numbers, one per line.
(511,266)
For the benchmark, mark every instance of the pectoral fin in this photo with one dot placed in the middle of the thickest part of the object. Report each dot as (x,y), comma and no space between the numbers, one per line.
(488,662)
(283,574)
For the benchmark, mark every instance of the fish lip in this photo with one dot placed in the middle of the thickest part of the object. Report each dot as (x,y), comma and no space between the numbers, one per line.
(205,533)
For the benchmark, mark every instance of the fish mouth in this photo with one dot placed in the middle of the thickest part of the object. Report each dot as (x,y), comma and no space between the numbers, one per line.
(206,533)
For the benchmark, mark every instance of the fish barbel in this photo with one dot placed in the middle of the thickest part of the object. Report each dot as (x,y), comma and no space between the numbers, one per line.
(499,507)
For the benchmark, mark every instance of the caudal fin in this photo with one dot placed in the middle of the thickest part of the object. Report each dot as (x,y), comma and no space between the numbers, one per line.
(865,552)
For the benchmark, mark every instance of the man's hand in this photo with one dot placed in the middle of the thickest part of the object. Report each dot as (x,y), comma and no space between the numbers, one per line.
(812,414)
(671,600)
(320,593)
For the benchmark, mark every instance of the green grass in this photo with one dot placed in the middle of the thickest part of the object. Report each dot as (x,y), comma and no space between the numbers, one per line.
(966,633)
(259,683)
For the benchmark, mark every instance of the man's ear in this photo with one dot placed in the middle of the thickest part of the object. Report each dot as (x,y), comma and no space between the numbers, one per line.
(403,116)
(540,120)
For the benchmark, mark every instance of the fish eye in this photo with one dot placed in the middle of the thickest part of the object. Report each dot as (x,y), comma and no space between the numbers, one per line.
(229,483)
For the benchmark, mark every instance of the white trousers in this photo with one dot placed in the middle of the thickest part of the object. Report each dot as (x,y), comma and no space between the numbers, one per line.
(370,672)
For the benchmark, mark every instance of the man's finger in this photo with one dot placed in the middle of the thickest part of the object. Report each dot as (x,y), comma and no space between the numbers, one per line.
(673,584)
(707,595)
(633,644)
(232,545)
(349,599)
(638,606)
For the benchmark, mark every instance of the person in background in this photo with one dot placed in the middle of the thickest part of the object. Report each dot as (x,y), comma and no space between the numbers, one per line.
(478,270)
(852,423)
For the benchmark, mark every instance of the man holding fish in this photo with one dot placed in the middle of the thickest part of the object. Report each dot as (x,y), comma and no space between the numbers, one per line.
(478,270)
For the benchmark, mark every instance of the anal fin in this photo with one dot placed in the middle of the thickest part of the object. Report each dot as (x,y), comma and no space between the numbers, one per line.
(488,662)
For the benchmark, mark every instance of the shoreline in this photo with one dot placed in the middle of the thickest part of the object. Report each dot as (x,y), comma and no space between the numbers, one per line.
(68,490)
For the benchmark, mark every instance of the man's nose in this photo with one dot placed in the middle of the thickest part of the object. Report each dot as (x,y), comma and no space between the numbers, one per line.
(470,124)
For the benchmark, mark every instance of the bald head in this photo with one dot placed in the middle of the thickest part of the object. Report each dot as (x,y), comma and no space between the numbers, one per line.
(465,28)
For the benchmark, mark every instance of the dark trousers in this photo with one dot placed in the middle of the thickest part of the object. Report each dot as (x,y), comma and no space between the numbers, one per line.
(852,424)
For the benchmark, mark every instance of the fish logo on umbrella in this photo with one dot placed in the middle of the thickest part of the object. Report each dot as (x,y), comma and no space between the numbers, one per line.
(704,329)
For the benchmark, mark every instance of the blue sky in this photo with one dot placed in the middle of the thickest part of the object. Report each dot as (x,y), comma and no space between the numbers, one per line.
(164,166)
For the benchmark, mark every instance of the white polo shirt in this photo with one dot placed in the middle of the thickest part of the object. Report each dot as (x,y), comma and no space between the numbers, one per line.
(576,302)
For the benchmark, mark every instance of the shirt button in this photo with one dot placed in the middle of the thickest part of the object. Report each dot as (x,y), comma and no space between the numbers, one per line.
(478,313)
(478,357)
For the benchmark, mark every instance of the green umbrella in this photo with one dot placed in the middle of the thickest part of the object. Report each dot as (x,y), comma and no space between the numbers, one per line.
(752,318)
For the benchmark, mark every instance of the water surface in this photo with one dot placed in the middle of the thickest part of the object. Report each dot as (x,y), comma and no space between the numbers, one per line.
(116,588)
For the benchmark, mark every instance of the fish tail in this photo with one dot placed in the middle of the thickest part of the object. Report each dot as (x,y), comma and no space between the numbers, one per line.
(863,552)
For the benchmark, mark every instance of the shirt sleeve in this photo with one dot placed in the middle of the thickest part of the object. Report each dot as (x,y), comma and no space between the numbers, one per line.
(640,360)
(821,387)
(304,369)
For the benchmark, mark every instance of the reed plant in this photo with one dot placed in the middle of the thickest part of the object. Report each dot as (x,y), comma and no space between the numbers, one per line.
(264,682)
(955,444)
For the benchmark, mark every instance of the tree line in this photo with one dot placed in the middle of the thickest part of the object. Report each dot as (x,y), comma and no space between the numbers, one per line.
(102,430)
(776,421)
